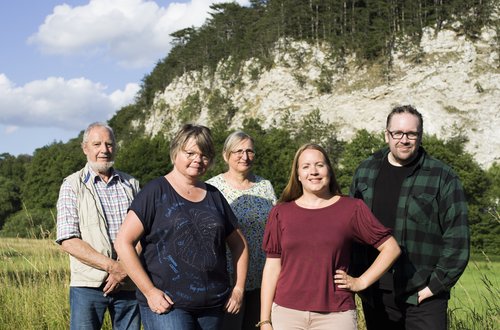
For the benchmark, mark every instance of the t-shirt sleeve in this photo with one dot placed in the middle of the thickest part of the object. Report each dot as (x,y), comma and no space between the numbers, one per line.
(223,207)
(366,227)
(270,192)
(231,222)
(144,206)
(271,243)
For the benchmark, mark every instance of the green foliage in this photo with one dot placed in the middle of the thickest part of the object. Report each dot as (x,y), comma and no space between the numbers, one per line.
(144,158)
(12,172)
(12,167)
(35,223)
(219,133)
(190,108)
(358,149)
(299,78)
(324,82)
(10,200)
(48,167)
(121,122)
(220,108)
(493,174)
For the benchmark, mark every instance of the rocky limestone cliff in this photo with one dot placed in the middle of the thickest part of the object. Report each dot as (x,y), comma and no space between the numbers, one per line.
(453,81)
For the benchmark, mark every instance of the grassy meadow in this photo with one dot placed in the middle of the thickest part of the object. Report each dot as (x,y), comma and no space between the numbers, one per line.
(34,284)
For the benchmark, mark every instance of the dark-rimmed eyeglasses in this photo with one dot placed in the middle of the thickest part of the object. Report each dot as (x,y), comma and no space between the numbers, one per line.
(240,152)
(398,135)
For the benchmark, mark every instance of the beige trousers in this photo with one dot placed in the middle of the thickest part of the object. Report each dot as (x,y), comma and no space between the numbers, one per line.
(291,319)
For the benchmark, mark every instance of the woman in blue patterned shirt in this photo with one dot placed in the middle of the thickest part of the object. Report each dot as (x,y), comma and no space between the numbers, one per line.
(251,198)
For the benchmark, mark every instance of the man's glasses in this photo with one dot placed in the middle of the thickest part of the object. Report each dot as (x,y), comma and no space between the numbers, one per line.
(191,155)
(240,152)
(398,135)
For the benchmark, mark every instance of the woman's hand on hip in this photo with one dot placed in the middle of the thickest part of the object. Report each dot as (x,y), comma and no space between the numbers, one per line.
(345,281)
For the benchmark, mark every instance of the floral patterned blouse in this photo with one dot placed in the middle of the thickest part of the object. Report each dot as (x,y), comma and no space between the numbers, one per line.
(251,206)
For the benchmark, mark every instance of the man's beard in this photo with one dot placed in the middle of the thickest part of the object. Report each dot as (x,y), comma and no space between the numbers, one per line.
(101,167)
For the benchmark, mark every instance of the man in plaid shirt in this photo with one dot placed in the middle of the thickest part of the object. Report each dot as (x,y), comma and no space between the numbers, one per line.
(91,207)
(423,201)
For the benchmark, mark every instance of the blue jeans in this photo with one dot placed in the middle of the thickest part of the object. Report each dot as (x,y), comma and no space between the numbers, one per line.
(179,319)
(88,306)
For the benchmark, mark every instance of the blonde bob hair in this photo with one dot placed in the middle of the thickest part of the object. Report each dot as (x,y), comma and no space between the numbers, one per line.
(200,134)
(293,189)
(232,141)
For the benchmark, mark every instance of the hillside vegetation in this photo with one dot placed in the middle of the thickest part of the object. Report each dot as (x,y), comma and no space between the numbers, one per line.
(215,75)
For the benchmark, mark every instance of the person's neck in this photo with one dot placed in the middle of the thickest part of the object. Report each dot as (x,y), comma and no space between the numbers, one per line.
(316,200)
(186,183)
(239,180)
(105,176)
(394,162)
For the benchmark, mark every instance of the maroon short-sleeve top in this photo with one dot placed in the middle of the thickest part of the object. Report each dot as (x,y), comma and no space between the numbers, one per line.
(312,244)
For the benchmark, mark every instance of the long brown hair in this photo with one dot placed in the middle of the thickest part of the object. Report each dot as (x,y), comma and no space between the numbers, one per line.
(293,189)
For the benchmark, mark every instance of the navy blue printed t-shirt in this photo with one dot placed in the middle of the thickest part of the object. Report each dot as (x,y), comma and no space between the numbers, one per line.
(184,244)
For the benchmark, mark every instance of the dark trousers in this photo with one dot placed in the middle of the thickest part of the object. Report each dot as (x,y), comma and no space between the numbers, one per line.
(390,314)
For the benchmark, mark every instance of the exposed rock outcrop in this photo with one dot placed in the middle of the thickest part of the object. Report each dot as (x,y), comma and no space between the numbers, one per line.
(452,80)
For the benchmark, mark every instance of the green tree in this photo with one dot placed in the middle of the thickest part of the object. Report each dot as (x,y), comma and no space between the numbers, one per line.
(10,201)
(35,223)
(12,172)
(357,150)
(275,149)
(48,167)
(144,158)
(493,174)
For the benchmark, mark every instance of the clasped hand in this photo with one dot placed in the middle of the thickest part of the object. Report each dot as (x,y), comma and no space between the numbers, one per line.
(116,277)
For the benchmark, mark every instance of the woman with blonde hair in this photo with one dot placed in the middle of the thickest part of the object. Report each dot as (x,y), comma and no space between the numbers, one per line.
(251,197)
(183,226)
(308,238)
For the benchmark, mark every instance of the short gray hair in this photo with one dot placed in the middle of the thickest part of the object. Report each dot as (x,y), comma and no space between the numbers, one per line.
(232,140)
(94,125)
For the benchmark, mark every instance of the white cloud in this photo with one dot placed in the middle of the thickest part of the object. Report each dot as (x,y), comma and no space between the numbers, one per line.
(135,33)
(121,98)
(56,102)
(11,129)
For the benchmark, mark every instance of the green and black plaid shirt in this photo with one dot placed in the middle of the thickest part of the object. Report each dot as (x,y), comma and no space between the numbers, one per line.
(431,225)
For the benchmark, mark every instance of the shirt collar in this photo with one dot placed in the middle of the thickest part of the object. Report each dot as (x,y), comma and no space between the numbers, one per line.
(90,174)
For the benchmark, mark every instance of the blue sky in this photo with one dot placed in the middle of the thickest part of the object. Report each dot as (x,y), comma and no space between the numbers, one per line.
(66,64)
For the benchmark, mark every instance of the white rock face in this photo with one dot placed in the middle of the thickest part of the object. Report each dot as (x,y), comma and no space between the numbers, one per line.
(456,87)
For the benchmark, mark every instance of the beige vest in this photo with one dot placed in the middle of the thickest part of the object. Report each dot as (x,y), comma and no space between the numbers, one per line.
(93,225)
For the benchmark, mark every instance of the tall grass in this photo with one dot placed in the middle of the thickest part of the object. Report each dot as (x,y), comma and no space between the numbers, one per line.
(475,301)
(34,289)
(34,285)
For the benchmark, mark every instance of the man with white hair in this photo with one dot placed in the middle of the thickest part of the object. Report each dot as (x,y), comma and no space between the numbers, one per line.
(91,207)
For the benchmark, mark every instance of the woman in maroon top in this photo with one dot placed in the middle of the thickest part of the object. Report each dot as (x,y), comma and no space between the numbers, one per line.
(308,241)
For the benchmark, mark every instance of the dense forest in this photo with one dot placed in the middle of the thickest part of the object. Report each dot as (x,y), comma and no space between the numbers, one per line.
(29,184)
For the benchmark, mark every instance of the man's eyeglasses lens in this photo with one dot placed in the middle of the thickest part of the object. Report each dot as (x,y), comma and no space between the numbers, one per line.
(399,135)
